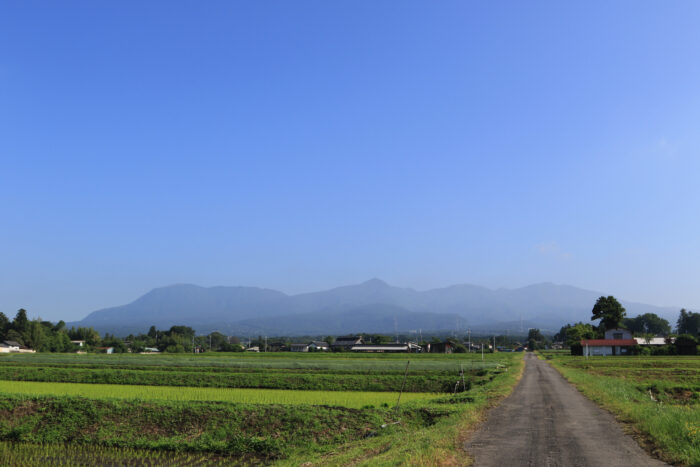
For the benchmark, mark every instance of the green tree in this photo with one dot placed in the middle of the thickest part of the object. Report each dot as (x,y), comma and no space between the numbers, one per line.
(216,340)
(21,322)
(648,323)
(4,325)
(34,335)
(572,334)
(688,323)
(609,311)
(535,335)
(686,345)
(60,326)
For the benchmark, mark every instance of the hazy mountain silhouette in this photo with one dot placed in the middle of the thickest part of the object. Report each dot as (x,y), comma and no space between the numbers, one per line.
(372,306)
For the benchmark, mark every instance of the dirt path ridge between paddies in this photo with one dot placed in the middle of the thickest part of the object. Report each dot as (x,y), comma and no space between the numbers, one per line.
(547,422)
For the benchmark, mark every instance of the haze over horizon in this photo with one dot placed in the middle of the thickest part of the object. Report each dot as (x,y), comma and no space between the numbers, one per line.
(303,148)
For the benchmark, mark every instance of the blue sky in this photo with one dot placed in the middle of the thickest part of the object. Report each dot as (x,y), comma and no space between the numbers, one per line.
(304,145)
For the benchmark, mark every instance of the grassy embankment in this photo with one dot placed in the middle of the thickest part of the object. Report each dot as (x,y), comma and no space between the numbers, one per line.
(328,427)
(657,397)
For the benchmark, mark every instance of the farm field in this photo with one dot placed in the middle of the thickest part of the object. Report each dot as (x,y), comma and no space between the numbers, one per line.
(298,372)
(657,396)
(327,409)
(353,399)
(34,454)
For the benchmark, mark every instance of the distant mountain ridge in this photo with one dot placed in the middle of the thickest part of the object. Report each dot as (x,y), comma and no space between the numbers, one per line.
(372,306)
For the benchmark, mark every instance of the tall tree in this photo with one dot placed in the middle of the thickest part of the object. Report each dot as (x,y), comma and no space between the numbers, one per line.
(609,311)
(21,322)
(4,324)
(688,323)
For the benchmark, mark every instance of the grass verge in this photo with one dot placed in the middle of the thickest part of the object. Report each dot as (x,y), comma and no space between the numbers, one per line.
(440,442)
(670,432)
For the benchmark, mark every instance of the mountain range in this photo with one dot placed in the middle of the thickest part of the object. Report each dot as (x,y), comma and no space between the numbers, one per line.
(372,306)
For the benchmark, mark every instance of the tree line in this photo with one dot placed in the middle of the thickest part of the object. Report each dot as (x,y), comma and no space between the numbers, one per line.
(611,314)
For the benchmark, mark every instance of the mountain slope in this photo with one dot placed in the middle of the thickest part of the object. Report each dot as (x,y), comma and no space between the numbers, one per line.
(372,306)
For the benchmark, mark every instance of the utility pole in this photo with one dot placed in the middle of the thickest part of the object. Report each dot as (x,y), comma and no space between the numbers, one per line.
(482,351)
(469,333)
(494,344)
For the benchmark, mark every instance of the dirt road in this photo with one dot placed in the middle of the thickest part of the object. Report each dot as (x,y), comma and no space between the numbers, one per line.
(547,422)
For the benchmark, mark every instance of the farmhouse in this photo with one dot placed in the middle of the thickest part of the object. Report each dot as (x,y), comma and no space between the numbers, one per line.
(12,346)
(299,347)
(9,346)
(347,342)
(319,345)
(78,343)
(617,342)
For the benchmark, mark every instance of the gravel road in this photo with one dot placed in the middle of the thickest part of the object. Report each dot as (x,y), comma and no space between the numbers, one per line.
(547,422)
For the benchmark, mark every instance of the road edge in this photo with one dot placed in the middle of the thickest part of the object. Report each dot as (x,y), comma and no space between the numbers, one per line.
(465,434)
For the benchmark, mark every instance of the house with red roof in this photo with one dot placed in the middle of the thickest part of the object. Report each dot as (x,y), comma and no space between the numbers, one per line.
(617,342)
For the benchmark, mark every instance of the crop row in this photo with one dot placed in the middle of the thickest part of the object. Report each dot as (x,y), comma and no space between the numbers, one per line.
(268,380)
(316,361)
(252,369)
(30,455)
(352,399)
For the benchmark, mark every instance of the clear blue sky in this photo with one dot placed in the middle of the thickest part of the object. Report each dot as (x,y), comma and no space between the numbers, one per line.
(303,145)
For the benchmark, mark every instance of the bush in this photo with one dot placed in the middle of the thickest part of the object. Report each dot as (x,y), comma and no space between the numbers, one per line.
(662,350)
(686,344)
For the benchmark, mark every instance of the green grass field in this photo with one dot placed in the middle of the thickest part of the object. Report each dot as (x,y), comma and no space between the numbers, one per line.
(657,396)
(241,407)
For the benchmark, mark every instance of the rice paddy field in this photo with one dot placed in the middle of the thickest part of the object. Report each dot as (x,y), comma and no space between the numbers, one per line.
(658,397)
(240,409)
(353,399)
